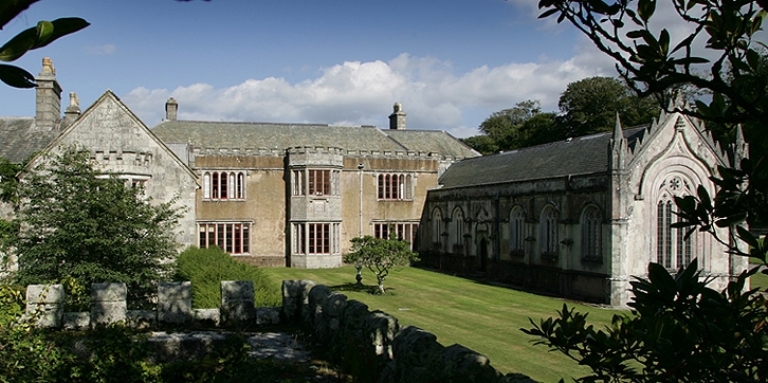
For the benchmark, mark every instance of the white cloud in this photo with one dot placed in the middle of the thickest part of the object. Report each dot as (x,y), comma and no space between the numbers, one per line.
(362,93)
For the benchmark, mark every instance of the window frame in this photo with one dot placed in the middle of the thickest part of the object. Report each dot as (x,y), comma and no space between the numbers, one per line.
(394,187)
(224,185)
(592,234)
(234,238)
(315,238)
(549,232)
(517,229)
(406,231)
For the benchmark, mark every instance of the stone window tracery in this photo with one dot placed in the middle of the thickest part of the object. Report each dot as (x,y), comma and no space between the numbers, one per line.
(673,249)
(231,237)
(517,230)
(549,232)
(396,187)
(592,234)
(405,231)
(316,238)
(315,182)
(224,185)
(437,222)
(458,227)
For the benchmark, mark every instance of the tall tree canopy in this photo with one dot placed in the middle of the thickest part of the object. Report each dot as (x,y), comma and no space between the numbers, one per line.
(586,106)
(590,106)
(517,127)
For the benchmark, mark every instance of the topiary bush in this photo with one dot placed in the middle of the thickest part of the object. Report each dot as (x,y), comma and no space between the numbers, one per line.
(206,268)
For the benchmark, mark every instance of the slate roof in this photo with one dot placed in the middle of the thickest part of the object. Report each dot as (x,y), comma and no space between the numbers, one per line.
(20,138)
(230,135)
(579,155)
(432,141)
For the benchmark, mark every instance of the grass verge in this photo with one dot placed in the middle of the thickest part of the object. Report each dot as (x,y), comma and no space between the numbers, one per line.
(483,317)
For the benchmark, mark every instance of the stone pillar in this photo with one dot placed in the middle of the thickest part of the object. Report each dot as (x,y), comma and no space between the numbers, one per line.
(237,302)
(108,303)
(45,304)
(174,302)
(296,298)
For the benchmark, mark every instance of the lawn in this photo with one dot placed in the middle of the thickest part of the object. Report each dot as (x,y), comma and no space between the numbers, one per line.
(479,316)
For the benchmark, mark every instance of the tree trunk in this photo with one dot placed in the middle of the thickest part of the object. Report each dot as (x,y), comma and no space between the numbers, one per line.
(380,279)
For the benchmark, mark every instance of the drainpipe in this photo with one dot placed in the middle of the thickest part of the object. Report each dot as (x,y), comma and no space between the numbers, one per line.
(360,168)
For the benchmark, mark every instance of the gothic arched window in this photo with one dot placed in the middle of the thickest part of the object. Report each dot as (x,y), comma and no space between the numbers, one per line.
(437,222)
(549,232)
(673,249)
(591,234)
(516,229)
(458,226)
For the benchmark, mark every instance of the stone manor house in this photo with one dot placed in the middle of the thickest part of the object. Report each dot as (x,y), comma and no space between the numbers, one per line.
(271,194)
(577,218)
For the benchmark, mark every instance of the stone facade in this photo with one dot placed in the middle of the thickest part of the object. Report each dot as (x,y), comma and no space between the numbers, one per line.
(296,194)
(120,143)
(269,194)
(580,218)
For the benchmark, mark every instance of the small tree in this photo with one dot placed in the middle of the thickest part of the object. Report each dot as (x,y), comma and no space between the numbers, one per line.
(81,225)
(380,255)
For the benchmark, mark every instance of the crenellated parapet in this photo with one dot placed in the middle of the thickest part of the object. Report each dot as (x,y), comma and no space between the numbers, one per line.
(237,152)
(302,156)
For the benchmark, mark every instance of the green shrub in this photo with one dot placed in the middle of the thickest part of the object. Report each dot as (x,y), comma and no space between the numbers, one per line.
(26,353)
(206,268)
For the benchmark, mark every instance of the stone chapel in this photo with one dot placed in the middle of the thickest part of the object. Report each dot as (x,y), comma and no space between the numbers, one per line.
(580,218)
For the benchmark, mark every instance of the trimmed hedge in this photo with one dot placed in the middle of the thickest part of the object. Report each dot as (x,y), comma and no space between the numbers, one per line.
(206,268)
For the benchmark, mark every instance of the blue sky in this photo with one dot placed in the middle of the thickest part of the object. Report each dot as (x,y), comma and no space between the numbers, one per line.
(450,62)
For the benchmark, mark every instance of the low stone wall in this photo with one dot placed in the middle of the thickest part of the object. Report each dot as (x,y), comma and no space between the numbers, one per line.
(373,345)
(45,305)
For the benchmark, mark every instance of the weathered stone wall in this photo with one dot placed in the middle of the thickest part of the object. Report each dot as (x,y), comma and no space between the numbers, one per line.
(45,305)
(374,346)
(122,144)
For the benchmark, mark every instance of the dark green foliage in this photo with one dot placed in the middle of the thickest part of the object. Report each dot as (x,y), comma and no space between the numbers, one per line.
(8,182)
(679,331)
(482,143)
(206,268)
(587,106)
(80,226)
(592,104)
(26,354)
(113,353)
(518,127)
(44,33)
(380,255)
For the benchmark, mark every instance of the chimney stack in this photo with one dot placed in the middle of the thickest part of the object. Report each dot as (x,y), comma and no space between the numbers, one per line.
(171,109)
(397,118)
(73,110)
(48,97)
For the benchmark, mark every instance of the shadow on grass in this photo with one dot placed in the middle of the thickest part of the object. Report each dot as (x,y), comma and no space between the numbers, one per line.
(361,288)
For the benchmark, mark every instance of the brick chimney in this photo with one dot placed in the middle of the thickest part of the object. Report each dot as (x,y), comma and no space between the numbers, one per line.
(48,97)
(171,109)
(397,118)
